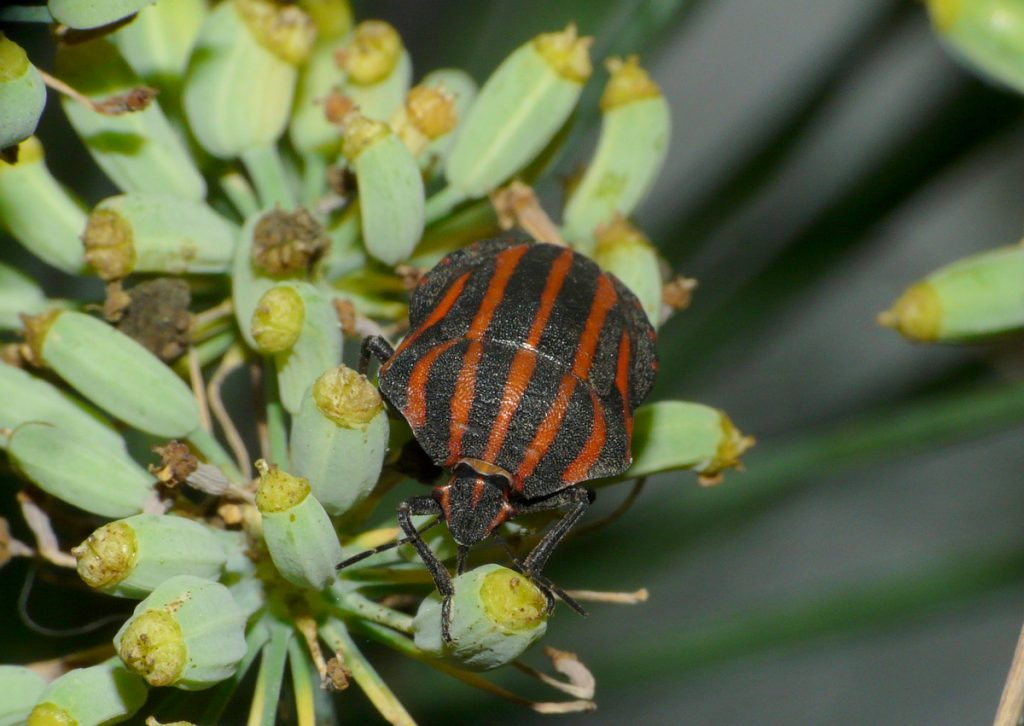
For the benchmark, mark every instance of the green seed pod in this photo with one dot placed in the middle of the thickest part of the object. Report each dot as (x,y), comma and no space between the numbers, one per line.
(131,557)
(238,90)
(463,89)
(296,322)
(94,13)
(671,435)
(138,150)
(248,282)
(974,298)
(630,152)
(19,294)
(496,615)
(75,470)
(390,188)
(157,233)
(339,438)
(20,688)
(29,399)
(38,212)
(22,94)
(107,693)
(377,67)
(157,43)
(519,110)
(299,534)
(625,251)
(114,372)
(987,35)
(427,115)
(188,633)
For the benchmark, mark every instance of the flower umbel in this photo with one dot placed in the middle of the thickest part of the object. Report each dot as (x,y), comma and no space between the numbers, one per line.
(235,254)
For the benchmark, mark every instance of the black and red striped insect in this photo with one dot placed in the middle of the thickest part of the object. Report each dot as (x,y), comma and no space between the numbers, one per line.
(520,374)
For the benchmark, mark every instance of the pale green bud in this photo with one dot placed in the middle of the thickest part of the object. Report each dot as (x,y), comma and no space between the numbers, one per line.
(238,90)
(93,13)
(19,294)
(138,150)
(299,534)
(310,130)
(28,398)
(277,320)
(22,94)
(20,689)
(496,615)
(107,693)
(630,152)
(987,35)
(671,435)
(157,233)
(427,114)
(158,41)
(625,251)
(188,633)
(378,70)
(518,111)
(977,297)
(38,212)
(339,438)
(103,481)
(131,557)
(463,89)
(391,198)
(332,18)
(114,372)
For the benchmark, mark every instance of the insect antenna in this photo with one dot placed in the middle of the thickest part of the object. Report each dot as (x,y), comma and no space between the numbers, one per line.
(385,547)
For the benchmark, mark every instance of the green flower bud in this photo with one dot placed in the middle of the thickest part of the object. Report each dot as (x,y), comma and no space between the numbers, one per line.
(977,297)
(277,320)
(107,693)
(630,152)
(377,69)
(131,557)
(671,435)
(625,251)
(310,130)
(114,372)
(297,530)
(100,480)
(94,13)
(519,110)
(496,615)
(157,43)
(238,90)
(390,188)
(427,114)
(38,212)
(22,94)
(339,438)
(20,688)
(19,294)
(316,347)
(188,633)
(157,233)
(139,150)
(30,399)
(332,18)
(987,35)
(461,87)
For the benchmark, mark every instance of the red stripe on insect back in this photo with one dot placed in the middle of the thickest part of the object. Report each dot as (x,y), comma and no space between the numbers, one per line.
(604,300)
(436,315)
(462,402)
(416,403)
(622,384)
(478,491)
(525,360)
(580,467)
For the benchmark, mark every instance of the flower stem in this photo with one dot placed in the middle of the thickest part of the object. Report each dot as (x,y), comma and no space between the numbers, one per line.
(221,694)
(441,203)
(352,603)
(314,177)
(263,711)
(336,636)
(240,192)
(277,431)
(268,174)
(302,684)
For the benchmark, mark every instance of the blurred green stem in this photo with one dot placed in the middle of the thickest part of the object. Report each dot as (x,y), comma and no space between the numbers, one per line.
(221,693)
(302,684)
(267,172)
(268,684)
(277,431)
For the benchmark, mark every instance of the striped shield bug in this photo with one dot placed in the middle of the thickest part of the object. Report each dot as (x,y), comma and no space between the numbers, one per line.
(520,373)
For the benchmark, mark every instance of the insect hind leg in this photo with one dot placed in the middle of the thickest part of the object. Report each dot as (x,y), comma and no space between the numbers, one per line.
(375,346)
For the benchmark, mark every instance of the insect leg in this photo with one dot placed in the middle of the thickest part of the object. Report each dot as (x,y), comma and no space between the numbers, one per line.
(376,346)
(576,500)
(442,578)
(460,566)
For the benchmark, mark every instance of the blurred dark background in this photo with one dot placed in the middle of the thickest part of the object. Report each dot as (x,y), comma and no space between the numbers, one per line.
(868,567)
